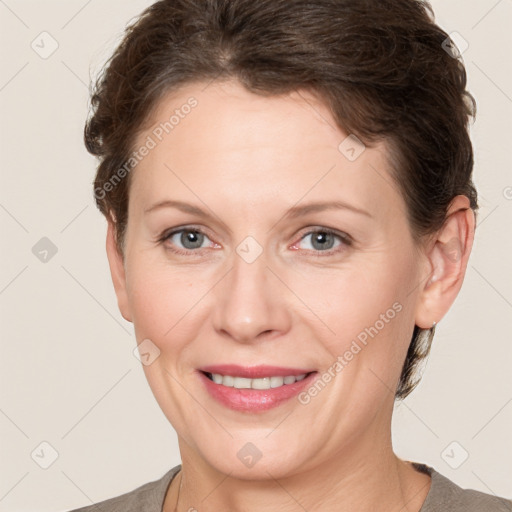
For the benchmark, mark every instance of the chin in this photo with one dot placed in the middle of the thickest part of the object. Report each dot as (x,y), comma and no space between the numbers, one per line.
(260,459)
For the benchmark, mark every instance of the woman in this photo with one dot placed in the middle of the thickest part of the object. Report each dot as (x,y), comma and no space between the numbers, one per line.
(290,212)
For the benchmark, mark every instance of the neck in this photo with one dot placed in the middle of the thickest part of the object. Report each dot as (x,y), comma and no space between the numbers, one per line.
(363,478)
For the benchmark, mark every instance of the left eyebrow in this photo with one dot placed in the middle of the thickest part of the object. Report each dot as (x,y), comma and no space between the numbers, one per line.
(297,211)
(180,205)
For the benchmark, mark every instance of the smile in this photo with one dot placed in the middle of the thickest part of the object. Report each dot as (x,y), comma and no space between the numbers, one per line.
(256,388)
(261,383)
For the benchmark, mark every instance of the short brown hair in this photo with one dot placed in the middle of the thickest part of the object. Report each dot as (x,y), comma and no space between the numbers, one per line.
(381,66)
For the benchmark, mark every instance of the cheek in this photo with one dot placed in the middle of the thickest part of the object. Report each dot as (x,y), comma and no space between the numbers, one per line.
(158,297)
(366,311)
(170,305)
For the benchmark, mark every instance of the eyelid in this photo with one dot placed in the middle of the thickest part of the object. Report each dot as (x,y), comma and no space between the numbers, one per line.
(325,229)
(172,231)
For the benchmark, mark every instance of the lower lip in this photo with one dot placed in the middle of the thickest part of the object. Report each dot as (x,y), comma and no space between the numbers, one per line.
(254,400)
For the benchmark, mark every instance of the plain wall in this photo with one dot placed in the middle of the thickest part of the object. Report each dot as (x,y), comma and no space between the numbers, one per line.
(68,373)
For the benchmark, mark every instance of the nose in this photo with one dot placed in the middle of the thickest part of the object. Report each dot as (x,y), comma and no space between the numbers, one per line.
(251,302)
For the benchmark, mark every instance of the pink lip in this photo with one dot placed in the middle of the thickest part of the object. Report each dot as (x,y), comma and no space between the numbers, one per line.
(254,400)
(254,372)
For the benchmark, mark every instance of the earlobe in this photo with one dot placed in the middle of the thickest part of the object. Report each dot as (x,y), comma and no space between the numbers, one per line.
(117,272)
(447,262)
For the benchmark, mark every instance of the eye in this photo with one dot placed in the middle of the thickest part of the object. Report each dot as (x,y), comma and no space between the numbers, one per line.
(189,239)
(323,240)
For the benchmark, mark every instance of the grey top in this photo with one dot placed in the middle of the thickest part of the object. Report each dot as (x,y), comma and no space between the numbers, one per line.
(443,496)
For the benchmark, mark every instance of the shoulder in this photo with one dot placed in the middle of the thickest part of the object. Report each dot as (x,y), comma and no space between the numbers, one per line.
(146,498)
(446,495)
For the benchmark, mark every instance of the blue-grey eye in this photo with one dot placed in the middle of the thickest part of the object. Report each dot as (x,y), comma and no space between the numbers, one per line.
(321,240)
(188,238)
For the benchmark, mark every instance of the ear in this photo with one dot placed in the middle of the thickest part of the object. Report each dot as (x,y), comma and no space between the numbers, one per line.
(447,259)
(117,271)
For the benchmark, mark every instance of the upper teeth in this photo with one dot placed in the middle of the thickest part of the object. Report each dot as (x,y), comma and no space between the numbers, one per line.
(263,383)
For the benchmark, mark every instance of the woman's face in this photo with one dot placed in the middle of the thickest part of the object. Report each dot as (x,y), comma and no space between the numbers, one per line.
(260,287)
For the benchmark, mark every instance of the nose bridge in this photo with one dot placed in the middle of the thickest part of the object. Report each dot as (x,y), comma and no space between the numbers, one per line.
(249,302)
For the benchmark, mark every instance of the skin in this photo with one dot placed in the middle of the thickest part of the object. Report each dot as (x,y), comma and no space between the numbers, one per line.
(246,160)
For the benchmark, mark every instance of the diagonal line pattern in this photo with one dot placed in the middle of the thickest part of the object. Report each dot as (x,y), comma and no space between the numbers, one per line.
(118,381)
(412,498)
(280,423)
(5,495)
(212,80)
(493,287)
(13,279)
(410,410)
(95,299)
(302,302)
(403,403)
(217,486)
(419,284)
(492,418)
(73,73)
(93,506)
(486,14)
(487,216)
(492,81)
(14,218)
(213,213)
(13,13)
(310,189)
(286,491)
(75,15)
(484,483)
(14,76)
(315,110)
(74,218)
(14,423)
(391,183)
(198,402)
(198,301)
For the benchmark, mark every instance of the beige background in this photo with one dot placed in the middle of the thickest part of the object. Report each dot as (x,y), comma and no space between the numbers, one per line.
(68,374)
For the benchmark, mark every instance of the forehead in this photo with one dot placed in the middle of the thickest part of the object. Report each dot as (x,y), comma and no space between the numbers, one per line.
(227,112)
(222,139)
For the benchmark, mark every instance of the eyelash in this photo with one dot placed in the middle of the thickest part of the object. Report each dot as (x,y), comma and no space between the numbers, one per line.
(345,239)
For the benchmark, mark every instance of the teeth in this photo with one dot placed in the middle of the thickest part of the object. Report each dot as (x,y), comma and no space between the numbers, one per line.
(263,383)
(217,378)
(276,382)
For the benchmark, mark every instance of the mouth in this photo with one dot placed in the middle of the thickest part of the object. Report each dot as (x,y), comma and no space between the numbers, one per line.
(254,389)
(269,382)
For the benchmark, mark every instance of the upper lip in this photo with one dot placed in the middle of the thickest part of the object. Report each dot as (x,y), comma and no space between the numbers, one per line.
(253,372)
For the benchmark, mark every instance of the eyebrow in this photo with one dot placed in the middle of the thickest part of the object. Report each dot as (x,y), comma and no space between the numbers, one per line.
(298,211)
(292,213)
